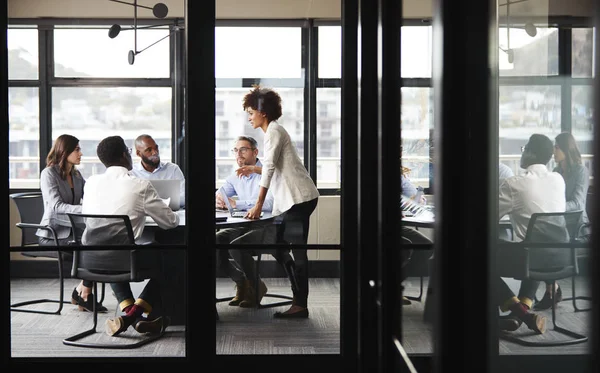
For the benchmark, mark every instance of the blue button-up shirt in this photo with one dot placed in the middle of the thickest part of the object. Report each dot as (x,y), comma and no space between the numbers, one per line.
(246,188)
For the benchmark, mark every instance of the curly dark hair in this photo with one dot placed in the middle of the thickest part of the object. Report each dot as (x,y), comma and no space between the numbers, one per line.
(110,150)
(265,100)
(63,146)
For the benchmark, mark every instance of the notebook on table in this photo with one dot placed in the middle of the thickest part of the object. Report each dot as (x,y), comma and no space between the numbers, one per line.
(235,213)
(168,189)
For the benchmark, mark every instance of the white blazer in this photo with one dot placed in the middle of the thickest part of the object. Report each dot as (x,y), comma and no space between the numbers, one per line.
(283,172)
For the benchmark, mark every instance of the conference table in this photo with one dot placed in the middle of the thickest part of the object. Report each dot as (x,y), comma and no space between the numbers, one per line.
(174,259)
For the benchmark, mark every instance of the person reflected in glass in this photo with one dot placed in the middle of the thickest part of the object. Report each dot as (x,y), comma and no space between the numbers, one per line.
(577,179)
(246,188)
(295,194)
(62,185)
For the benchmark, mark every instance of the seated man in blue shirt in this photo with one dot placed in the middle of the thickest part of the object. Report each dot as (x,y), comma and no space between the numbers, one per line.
(152,168)
(246,189)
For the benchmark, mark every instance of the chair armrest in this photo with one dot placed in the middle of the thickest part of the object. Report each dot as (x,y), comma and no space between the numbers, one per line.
(39,226)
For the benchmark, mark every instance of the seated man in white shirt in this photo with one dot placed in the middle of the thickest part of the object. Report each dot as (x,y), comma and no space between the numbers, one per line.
(151,167)
(537,190)
(116,192)
(246,189)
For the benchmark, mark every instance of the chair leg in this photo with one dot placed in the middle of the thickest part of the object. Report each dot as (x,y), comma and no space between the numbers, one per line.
(15,306)
(574,298)
(274,304)
(74,340)
(575,337)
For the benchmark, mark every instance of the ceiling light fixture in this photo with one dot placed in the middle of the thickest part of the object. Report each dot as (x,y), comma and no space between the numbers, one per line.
(529,27)
(159,10)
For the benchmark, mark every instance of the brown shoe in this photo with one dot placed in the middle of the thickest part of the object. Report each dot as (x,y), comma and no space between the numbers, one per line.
(143,325)
(240,291)
(116,326)
(250,299)
(535,322)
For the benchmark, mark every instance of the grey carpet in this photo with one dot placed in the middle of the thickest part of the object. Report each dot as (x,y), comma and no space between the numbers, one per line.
(254,331)
(417,335)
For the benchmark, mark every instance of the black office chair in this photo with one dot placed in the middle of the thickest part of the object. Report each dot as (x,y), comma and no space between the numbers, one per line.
(585,236)
(30,206)
(545,263)
(105,264)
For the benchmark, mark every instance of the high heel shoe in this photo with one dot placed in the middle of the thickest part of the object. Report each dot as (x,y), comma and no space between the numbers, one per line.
(86,305)
(546,302)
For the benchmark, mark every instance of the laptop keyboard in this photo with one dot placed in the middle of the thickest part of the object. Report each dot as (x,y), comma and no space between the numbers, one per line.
(238,214)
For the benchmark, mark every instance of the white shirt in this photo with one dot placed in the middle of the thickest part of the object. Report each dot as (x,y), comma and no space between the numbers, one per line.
(164,171)
(538,190)
(283,171)
(116,192)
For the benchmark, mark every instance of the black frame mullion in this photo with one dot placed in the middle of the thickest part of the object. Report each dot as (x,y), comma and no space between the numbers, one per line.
(309,64)
(564,70)
(351,279)
(46,71)
(389,131)
(177,96)
(463,130)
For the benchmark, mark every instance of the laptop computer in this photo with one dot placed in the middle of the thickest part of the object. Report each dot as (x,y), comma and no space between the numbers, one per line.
(168,188)
(235,213)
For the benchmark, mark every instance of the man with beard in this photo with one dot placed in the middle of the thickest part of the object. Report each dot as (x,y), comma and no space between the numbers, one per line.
(246,189)
(152,168)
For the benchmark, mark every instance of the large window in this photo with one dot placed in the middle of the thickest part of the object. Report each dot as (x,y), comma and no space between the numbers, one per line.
(91,92)
(536,96)
(237,68)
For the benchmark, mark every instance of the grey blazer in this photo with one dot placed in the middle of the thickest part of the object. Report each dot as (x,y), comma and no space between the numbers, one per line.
(577,181)
(58,200)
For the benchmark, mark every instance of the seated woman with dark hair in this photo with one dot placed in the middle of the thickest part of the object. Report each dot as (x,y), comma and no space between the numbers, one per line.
(577,180)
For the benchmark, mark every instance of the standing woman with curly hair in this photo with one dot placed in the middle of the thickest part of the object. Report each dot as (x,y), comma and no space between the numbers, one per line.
(62,191)
(577,180)
(294,192)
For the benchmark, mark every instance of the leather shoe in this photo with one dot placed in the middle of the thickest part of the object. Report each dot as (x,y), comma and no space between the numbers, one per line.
(546,302)
(116,326)
(302,314)
(509,323)
(86,305)
(535,322)
(143,325)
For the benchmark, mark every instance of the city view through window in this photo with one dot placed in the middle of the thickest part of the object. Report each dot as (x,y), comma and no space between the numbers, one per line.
(129,108)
